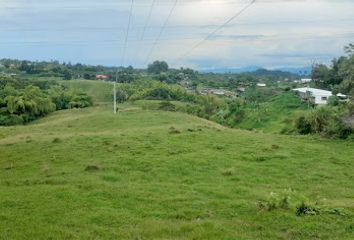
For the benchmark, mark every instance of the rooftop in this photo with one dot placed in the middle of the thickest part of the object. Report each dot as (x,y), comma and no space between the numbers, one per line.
(313,91)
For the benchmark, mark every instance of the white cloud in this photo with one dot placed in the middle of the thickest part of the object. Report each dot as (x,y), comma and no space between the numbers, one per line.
(271,33)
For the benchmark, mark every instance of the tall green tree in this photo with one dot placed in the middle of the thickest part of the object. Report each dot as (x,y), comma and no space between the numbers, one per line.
(157,67)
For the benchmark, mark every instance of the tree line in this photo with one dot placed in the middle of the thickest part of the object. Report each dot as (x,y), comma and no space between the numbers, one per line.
(339,76)
(158,70)
(22,101)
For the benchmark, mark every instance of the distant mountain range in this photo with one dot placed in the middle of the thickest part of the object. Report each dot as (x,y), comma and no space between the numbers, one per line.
(294,70)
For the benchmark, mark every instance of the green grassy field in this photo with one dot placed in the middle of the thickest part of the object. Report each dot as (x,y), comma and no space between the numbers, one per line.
(148,174)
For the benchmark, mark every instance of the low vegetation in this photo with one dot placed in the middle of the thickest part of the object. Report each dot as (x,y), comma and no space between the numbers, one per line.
(327,121)
(22,101)
(339,77)
(268,111)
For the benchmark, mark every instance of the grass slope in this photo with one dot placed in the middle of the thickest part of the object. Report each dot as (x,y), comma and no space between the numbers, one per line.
(274,114)
(100,91)
(144,174)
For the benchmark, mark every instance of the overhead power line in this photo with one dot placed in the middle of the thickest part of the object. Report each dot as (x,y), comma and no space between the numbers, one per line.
(215,31)
(127,32)
(148,19)
(145,27)
(161,31)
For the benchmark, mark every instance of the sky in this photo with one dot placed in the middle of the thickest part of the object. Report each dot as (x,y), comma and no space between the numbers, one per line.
(269,33)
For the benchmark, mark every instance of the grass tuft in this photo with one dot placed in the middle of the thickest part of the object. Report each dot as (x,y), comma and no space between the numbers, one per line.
(92,168)
(56,140)
(173,130)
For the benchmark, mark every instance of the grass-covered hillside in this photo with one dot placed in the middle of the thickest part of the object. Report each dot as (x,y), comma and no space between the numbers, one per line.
(273,115)
(149,174)
(100,91)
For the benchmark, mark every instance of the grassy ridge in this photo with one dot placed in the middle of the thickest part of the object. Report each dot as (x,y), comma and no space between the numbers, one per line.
(86,174)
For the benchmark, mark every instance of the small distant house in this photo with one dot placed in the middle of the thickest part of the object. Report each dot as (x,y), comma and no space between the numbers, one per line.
(8,74)
(303,80)
(314,95)
(102,77)
(306,80)
(261,85)
(241,89)
(219,92)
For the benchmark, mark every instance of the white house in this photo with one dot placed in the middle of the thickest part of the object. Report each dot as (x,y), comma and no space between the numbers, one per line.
(342,97)
(261,85)
(306,80)
(303,80)
(314,95)
(219,92)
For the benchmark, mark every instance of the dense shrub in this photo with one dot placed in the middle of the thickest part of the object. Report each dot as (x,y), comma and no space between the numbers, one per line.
(121,95)
(60,97)
(22,102)
(326,121)
(306,209)
(303,126)
(333,101)
(154,90)
(80,100)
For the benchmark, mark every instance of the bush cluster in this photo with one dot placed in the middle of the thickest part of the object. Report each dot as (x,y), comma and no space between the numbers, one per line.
(23,102)
(327,121)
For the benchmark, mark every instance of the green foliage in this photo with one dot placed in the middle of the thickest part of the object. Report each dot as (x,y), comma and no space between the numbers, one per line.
(121,95)
(257,95)
(159,91)
(306,209)
(157,67)
(233,112)
(326,121)
(333,101)
(67,75)
(340,76)
(80,100)
(21,103)
(349,49)
(60,97)
(26,105)
(126,75)
(303,126)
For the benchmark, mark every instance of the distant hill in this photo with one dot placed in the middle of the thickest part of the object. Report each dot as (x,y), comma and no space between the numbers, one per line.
(231,70)
(297,70)
(293,70)
(268,73)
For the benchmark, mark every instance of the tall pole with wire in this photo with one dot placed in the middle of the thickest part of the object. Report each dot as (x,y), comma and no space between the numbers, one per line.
(115,94)
(123,57)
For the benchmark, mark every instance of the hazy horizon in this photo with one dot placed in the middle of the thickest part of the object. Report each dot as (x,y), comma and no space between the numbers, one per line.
(270,33)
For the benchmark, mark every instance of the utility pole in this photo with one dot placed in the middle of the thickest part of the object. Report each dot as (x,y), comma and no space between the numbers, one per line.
(115,94)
